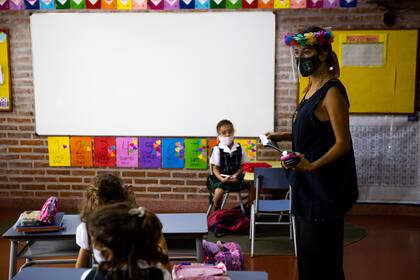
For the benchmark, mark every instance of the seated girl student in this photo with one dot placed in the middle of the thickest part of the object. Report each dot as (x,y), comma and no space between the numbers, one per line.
(106,189)
(226,163)
(128,239)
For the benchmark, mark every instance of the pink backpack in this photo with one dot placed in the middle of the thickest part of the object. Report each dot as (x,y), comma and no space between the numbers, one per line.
(227,221)
(49,210)
(199,271)
(229,253)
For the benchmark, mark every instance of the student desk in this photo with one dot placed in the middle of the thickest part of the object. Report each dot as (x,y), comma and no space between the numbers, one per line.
(179,226)
(49,273)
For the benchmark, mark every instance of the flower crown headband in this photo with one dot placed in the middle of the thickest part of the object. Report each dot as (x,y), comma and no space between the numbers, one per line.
(319,38)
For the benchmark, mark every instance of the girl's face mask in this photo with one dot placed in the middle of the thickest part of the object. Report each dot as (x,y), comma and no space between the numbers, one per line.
(227,141)
(308,65)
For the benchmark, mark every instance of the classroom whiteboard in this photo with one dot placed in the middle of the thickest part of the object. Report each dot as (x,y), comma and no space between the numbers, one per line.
(160,74)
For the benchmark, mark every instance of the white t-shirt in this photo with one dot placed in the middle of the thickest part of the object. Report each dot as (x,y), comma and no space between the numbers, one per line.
(82,240)
(215,155)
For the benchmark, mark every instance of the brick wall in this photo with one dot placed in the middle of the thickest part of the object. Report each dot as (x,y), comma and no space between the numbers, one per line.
(26,179)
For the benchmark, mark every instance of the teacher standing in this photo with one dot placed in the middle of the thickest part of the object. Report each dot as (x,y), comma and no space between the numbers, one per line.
(324,182)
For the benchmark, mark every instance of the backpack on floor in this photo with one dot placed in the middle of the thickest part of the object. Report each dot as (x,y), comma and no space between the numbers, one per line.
(228,221)
(229,253)
(49,210)
(199,271)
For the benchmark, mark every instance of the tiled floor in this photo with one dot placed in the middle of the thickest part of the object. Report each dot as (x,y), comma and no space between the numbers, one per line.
(391,251)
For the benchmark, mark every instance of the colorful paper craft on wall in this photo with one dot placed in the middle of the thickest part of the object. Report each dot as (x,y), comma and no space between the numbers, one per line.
(127,152)
(314,4)
(265,4)
(108,4)
(150,150)
(4,4)
(281,4)
(124,4)
(186,4)
(173,153)
(297,4)
(331,3)
(250,147)
(59,151)
(202,4)
(234,4)
(16,5)
(78,4)
(211,143)
(156,4)
(217,4)
(81,151)
(196,153)
(171,4)
(62,4)
(104,151)
(5,81)
(46,4)
(139,4)
(249,4)
(93,4)
(31,4)
(348,3)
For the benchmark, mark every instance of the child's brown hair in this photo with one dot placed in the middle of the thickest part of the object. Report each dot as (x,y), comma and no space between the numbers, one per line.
(131,234)
(106,189)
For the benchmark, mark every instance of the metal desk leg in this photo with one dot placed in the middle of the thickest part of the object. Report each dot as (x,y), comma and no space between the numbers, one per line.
(199,249)
(12,258)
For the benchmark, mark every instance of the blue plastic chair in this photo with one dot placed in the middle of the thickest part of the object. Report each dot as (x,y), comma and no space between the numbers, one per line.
(271,179)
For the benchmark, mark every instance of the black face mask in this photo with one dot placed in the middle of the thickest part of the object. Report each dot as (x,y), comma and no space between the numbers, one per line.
(308,65)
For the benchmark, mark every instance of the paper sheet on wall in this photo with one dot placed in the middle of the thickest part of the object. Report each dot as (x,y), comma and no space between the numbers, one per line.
(173,153)
(104,151)
(81,151)
(150,150)
(250,147)
(59,151)
(362,54)
(127,152)
(196,153)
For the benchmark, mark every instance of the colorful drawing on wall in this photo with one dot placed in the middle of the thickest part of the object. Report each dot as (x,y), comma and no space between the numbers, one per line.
(139,4)
(93,4)
(202,4)
(108,4)
(249,4)
(186,4)
(62,4)
(171,4)
(81,151)
(235,4)
(150,150)
(250,147)
(5,81)
(59,151)
(281,4)
(218,4)
(46,4)
(16,5)
(297,4)
(124,4)
(4,5)
(173,153)
(127,152)
(314,4)
(78,4)
(348,3)
(31,4)
(211,143)
(156,4)
(331,3)
(265,4)
(104,151)
(196,153)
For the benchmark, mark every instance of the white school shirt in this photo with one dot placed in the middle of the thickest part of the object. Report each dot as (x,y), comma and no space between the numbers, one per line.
(215,155)
(82,240)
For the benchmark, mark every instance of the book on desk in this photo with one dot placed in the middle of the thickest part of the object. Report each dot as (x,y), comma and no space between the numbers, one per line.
(56,225)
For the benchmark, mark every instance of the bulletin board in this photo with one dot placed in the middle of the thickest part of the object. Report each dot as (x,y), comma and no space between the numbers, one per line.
(5,84)
(378,69)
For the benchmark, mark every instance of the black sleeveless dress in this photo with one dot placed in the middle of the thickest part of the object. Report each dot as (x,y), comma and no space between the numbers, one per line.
(330,191)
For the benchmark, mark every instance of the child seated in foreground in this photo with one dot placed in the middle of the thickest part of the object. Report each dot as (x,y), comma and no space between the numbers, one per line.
(226,163)
(128,239)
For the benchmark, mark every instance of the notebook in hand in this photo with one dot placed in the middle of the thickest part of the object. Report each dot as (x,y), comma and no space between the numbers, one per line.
(55,226)
(269,143)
